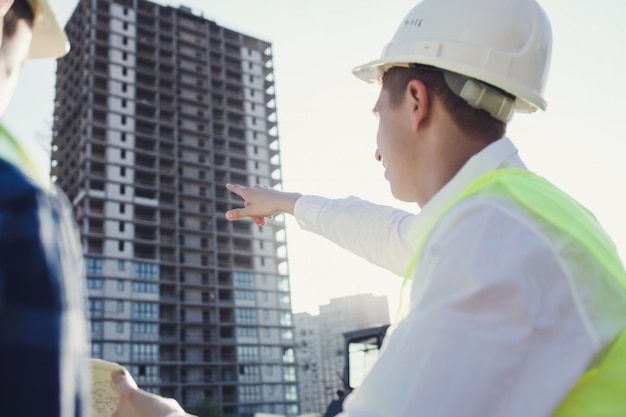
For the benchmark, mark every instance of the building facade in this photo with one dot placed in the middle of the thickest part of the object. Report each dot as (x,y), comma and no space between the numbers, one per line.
(342,315)
(320,345)
(157,108)
(309,361)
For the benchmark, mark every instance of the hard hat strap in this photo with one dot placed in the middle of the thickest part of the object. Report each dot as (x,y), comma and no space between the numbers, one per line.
(476,93)
(481,96)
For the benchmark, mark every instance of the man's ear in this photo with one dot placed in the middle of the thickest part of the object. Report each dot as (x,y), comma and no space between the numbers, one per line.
(417,96)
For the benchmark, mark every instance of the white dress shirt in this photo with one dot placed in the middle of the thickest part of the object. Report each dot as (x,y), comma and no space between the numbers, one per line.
(495,327)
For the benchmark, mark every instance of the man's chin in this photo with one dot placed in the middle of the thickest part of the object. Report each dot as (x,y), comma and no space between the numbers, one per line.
(400,195)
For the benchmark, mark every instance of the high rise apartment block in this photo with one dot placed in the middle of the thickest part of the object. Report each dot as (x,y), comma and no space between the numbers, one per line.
(340,315)
(320,345)
(157,108)
(309,361)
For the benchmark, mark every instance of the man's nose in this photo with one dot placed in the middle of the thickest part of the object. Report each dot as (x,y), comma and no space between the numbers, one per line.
(377,156)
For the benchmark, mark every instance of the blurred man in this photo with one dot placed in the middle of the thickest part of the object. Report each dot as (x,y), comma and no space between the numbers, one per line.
(43,338)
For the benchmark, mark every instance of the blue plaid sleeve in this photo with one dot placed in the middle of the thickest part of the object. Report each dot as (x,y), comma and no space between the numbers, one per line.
(43,337)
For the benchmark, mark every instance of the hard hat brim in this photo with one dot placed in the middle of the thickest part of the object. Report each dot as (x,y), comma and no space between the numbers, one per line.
(49,39)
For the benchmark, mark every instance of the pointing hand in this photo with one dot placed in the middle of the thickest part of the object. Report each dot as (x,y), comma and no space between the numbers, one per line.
(261,203)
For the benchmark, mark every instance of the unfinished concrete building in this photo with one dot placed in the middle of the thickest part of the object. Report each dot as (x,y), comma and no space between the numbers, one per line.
(157,108)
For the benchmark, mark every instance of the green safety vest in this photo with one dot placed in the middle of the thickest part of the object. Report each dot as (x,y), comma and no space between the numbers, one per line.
(601,390)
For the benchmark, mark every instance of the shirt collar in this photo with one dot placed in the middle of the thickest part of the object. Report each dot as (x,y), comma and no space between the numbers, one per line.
(499,154)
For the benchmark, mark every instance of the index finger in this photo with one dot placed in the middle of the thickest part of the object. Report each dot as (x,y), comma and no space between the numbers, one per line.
(237,189)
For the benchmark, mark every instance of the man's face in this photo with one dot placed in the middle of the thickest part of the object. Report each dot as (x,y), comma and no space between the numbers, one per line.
(13,52)
(396,146)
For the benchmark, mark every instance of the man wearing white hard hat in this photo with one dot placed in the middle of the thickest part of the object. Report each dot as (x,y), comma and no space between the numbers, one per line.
(43,337)
(514,298)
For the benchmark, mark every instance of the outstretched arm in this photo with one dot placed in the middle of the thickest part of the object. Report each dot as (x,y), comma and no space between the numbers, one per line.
(382,235)
(261,203)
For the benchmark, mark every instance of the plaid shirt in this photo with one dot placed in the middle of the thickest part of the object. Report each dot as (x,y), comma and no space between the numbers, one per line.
(43,328)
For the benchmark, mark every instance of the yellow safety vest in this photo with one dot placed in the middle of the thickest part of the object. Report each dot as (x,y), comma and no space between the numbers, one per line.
(11,151)
(601,390)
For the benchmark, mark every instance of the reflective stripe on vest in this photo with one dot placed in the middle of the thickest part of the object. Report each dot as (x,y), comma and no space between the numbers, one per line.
(602,388)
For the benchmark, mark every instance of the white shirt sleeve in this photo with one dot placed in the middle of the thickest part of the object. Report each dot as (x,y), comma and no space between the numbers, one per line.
(480,337)
(380,234)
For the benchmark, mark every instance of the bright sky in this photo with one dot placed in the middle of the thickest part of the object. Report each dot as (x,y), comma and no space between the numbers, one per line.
(327,131)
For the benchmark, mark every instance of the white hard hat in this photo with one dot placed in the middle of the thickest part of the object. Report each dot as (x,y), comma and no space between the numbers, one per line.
(504,43)
(49,38)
